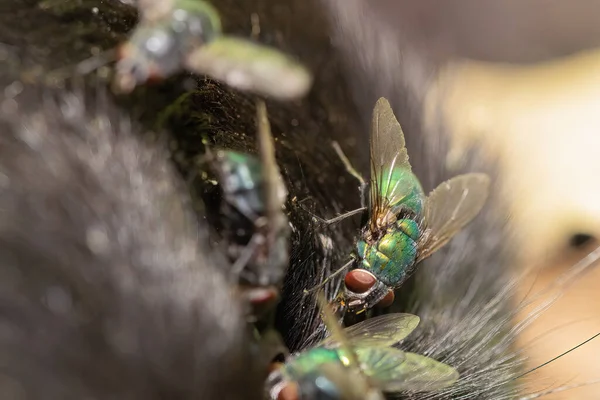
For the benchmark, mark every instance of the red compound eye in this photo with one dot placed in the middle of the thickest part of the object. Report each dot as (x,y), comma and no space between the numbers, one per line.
(155,75)
(262,296)
(387,301)
(359,280)
(289,392)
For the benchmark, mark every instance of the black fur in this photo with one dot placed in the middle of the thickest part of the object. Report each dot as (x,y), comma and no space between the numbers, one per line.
(106,290)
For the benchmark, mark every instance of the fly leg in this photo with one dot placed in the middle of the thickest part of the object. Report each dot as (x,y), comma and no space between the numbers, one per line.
(247,254)
(333,220)
(352,171)
(320,285)
(340,217)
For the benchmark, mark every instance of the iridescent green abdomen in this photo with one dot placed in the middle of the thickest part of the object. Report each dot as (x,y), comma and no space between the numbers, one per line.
(402,178)
(306,362)
(391,257)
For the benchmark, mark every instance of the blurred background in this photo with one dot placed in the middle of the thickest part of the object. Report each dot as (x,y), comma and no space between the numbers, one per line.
(541,121)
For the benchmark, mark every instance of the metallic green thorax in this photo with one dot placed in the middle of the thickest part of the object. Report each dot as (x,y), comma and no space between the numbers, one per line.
(394,251)
(390,257)
(307,362)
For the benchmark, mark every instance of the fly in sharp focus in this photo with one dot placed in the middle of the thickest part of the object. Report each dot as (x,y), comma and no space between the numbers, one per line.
(404,226)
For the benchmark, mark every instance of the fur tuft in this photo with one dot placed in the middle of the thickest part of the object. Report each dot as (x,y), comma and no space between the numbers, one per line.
(105,288)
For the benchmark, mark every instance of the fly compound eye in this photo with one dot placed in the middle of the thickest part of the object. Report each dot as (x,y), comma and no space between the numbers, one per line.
(288,392)
(359,280)
(259,296)
(260,299)
(388,300)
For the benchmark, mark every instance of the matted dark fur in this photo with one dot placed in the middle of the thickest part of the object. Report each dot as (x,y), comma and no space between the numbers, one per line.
(105,287)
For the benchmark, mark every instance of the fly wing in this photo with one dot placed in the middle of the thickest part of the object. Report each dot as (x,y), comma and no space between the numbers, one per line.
(450,207)
(416,373)
(381,331)
(249,66)
(354,373)
(380,363)
(388,153)
(275,191)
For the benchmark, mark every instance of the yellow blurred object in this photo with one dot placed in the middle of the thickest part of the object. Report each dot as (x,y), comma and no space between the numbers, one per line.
(542,122)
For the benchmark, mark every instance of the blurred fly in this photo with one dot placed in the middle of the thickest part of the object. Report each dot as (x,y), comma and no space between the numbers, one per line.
(254,194)
(187,34)
(359,363)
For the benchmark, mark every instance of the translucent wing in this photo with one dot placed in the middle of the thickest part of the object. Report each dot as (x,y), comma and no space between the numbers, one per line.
(350,381)
(388,154)
(275,191)
(382,331)
(450,207)
(415,373)
(380,363)
(248,66)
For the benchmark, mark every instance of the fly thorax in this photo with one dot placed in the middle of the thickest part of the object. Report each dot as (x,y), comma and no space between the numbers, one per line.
(309,361)
(386,220)
(371,236)
(329,382)
(392,255)
(361,249)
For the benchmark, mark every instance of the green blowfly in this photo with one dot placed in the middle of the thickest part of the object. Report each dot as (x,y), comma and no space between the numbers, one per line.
(359,362)
(404,226)
(186,34)
(255,227)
